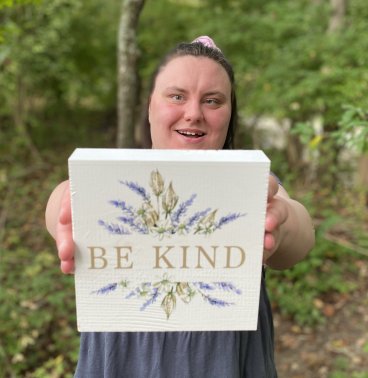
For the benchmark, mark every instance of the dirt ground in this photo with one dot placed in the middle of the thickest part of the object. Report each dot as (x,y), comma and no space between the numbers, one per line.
(338,348)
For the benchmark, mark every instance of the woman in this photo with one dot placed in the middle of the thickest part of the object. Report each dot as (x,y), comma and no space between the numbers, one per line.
(192,105)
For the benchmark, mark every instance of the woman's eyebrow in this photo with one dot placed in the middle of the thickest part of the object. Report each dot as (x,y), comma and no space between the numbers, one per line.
(175,89)
(182,90)
(219,94)
(215,93)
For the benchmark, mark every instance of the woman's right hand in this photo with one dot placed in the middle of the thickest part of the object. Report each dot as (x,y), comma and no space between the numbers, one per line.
(64,235)
(59,224)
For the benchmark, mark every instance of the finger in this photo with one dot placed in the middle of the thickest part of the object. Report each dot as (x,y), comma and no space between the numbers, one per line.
(65,249)
(277,213)
(273,187)
(67,267)
(269,241)
(64,238)
(65,214)
(266,252)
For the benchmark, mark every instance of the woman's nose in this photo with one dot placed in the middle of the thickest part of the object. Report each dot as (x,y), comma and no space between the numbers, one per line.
(193,112)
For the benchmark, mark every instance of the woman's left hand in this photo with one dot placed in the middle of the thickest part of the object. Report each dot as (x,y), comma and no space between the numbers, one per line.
(289,231)
(276,216)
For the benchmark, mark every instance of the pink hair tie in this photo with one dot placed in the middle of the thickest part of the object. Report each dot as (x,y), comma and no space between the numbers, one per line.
(206,41)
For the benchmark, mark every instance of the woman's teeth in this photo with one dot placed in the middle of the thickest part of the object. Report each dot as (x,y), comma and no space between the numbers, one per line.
(190,134)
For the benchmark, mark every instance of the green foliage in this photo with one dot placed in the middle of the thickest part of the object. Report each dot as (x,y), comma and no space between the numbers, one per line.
(37,313)
(328,269)
(341,369)
(308,71)
(14,3)
(58,63)
(353,131)
(169,20)
(294,291)
(58,56)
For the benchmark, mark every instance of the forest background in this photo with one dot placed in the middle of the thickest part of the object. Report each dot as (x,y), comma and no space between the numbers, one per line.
(302,80)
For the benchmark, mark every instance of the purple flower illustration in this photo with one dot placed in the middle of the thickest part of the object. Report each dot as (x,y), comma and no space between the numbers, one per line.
(165,215)
(130,221)
(171,291)
(154,296)
(123,206)
(196,217)
(227,219)
(136,188)
(217,302)
(106,289)
(183,207)
(204,286)
(114,228)
(227,286)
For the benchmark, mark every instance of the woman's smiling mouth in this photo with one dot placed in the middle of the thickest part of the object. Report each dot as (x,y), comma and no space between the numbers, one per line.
(191,133)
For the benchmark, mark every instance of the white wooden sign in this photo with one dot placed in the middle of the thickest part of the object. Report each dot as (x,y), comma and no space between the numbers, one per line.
(168,240)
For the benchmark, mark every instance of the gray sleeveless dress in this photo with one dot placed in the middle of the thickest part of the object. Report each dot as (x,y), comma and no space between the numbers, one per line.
(229,354)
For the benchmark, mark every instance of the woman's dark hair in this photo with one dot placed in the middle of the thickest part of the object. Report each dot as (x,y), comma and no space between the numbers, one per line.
(198,49)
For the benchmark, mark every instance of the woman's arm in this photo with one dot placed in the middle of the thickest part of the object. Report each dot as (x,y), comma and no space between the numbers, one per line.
(289,231)
(59,224)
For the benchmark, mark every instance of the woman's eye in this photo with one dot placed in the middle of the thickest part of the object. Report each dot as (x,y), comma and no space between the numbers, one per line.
(212,101)
(176,97)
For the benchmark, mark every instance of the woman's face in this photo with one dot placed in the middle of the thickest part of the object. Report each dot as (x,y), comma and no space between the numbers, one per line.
(190,106)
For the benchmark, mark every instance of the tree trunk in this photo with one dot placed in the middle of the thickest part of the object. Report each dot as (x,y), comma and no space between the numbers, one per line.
(338,12)
(127,72)
(363,177)
(294,152)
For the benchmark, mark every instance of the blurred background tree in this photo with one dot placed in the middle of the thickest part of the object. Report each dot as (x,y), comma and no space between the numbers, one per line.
(301,84)
(128,77)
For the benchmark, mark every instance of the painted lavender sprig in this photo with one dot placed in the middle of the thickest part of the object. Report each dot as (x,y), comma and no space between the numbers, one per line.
(217,302)
(133,293)
(154,295)
(171,291)
(227,286)
(196,218)
(136,188)
(129,210)
(227,219)
(106,289)
(140,291)
(130,221)
(182,210)
(165,216)
(204,286)
(113,228)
